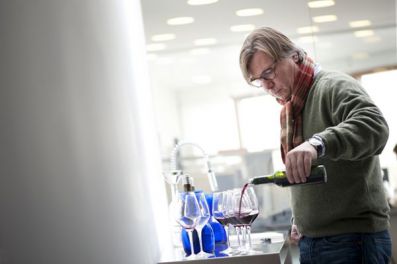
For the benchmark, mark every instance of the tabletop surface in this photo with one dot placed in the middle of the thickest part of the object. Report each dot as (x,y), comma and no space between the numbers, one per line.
(276,252)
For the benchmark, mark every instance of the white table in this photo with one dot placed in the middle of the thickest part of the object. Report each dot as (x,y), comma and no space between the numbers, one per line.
(270,253)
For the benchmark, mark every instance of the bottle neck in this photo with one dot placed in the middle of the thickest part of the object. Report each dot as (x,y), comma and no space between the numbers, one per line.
(188,188)
(262,180)
(278,175)
(187,183)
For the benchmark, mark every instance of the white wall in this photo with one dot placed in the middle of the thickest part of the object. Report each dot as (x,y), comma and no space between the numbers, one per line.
(167,115)
(79,158)
(208,118)
(380,87)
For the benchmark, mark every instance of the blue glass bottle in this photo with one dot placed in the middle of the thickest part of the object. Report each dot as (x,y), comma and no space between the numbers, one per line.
(207,235)
(186,243)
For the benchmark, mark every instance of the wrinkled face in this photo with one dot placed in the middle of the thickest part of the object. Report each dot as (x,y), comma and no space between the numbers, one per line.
(275,77)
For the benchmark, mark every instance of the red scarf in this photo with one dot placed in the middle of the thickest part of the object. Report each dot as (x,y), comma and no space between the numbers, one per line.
(291,113)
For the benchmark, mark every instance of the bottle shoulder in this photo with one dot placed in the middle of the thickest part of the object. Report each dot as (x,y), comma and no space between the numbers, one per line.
(279,174)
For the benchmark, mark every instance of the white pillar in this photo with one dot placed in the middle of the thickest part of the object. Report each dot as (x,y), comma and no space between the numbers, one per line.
(79,159)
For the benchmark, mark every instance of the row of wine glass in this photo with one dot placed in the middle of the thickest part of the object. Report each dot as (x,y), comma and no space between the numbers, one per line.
(237,208)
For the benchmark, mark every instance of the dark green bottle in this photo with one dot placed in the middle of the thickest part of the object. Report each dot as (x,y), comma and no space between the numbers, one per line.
(318,174)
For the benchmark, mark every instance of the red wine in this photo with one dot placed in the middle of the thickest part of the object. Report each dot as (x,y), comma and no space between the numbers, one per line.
(187,223)
(241,198)
(248,219)
(222,220)
(233,221)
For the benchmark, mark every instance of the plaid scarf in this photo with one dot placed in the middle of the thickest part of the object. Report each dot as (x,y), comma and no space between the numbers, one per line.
(291,113)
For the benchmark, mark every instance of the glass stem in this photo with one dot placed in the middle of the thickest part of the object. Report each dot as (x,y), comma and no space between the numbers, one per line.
(238,235)
(227,235)
(190,234)
(244,235)
(199,229)
(249,236)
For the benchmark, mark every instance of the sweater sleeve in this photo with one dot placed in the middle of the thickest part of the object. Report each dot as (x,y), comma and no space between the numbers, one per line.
(358,129)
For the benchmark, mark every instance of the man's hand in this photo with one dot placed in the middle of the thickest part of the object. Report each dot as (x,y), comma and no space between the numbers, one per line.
(298,162)
(295,236)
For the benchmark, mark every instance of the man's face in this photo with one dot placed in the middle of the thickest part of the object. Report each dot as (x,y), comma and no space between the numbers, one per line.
(278,75)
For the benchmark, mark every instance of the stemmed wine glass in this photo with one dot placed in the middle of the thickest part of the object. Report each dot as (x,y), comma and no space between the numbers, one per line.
(246,211)
(219,202)
(187,213)
(203,219)
(233,203)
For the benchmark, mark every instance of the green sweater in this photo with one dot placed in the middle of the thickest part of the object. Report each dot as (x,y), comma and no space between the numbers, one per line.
(354,132)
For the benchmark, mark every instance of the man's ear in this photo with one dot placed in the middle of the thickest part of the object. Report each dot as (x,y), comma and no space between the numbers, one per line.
(296,58)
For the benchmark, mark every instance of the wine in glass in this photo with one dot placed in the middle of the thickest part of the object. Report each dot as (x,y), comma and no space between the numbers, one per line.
(247,210)
(219,200)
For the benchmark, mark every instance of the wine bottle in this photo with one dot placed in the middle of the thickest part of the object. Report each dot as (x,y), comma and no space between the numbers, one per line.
(318,174)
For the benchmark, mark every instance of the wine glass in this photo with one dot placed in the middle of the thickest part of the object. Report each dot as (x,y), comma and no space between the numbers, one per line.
(187,213)
(203,219)
(233,220)
(247,210)
(219,200)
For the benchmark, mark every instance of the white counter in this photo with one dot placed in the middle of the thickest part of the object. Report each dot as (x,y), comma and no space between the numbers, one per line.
(270,253)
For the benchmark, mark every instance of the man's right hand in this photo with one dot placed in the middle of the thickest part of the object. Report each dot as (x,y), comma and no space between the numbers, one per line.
(298,162)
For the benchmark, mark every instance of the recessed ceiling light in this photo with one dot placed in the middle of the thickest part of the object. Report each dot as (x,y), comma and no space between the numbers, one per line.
(360,55)
(320,3)
(363,33)
(308,39)
(307,30)
(242,28)
(372,39)
(205,41)
(201,2)
(155,46)
(163,37)
(359,23)
(326,18)
(199,51)
(180,21)
(249,12)
(201,79)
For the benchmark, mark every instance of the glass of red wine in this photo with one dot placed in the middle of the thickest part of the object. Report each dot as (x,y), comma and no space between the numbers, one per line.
(187,213)
(219,210)
(246,210)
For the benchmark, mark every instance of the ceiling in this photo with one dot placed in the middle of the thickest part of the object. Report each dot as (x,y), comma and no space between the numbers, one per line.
(175,67)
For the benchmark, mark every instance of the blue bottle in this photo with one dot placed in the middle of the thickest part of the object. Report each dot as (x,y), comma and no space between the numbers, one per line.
(186,243)
(207,236)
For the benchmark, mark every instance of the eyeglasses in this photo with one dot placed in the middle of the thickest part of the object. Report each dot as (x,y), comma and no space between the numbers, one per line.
(267,74)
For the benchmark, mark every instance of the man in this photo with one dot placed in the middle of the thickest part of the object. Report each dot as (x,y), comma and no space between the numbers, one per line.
(327,118)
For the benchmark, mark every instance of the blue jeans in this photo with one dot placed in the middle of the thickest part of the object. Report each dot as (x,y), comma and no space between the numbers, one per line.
(368,248)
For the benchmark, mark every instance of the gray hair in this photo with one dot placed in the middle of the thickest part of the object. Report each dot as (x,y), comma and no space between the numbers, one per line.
(271,42)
